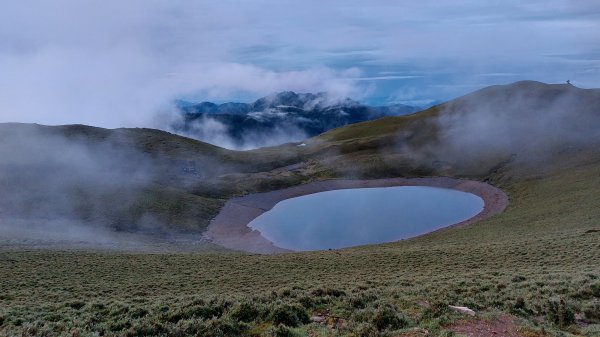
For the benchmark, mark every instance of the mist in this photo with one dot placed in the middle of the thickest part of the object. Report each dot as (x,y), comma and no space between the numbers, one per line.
(82,185)
(118,64)
(212,131)
(526,122)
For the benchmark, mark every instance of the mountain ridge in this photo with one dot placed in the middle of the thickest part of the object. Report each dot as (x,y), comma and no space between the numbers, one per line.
(275,119)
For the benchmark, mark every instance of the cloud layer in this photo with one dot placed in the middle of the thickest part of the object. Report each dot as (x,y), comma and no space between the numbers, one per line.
(118,64)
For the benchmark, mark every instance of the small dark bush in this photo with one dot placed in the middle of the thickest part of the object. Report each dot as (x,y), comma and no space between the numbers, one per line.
(595,289)
(119,325)
(591,312)
(436,310)
(216,327)
(307,301)
(519,307)
(245,311)
(386,317)
(138,312)
(289,314)
(280,331)
(118,311)
(53,317)
(76,305)
(320,292)
(200,310)
(361,301)
(145,328)
(365,330)
(186,328)
(98,306)
(520,304)
(560,313)
(518,278)
(223,328)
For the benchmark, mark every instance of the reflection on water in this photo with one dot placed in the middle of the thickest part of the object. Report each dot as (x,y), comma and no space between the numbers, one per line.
(344,218)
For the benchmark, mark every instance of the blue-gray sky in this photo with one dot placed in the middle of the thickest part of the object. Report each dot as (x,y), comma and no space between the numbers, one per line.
(118,63)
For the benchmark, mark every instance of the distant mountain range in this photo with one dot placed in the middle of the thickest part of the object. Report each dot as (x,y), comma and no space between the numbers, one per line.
(275,119)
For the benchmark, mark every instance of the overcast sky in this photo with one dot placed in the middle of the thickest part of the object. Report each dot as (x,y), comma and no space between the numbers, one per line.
(118,63)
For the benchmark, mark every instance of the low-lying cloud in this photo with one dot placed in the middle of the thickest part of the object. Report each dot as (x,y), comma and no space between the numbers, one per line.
(65,185)
(81,184)
(531,120)
(210,130)
(116,64)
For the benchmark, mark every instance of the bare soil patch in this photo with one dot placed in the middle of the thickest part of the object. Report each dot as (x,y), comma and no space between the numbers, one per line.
(504,326)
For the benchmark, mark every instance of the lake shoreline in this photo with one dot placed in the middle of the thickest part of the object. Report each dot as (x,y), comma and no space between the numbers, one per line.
(229,228)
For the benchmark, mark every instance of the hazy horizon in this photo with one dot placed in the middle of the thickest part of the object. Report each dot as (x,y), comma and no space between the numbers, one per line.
(112,65)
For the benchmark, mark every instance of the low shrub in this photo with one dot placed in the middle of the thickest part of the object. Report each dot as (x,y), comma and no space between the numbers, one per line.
(320,292)
(76,305)
(280,331)
(200,309)
(223,327)
(361,301)
(246,311)
(365,330)
(119,324)
(519,307)
(595,289)
(386,317)
(436,310)
(307,301)
(592,312)
(518,278)
(145,328)
(137,313)
(216,327)
(289,314)
(560,313)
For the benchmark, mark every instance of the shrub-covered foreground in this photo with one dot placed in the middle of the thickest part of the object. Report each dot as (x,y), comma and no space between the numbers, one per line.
(543,302)
(361,311)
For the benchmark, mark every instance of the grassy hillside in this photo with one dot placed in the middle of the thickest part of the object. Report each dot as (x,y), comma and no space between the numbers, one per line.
(124,179)
(538,262)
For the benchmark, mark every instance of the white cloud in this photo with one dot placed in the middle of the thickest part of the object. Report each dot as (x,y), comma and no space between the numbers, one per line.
(116,63)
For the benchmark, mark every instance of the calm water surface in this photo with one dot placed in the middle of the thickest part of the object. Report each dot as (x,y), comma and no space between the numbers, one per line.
(344,218)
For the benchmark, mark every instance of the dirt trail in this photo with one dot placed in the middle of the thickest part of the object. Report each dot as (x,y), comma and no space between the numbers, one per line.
(229,228)
(503,326)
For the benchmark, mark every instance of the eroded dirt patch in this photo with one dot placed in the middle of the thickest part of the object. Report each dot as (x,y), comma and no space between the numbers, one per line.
(503,326)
